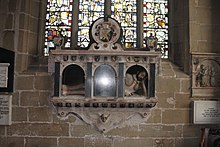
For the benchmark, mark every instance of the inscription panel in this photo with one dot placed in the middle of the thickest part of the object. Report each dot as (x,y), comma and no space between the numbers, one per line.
(5,109)
(206,112)
(4,74)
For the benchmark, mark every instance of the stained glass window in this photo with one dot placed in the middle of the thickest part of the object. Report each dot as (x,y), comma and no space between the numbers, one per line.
(155,21)
(89,11)
(60,12)
(58,23)
(124,11)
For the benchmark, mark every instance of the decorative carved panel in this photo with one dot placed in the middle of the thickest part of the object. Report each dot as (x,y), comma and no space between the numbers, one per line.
(205,75)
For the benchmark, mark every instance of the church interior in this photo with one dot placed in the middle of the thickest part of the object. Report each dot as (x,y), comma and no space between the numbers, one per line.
(109,73)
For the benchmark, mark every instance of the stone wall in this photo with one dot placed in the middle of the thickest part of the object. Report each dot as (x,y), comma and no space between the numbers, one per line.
(179,33)
(21,30)
(204,26)
(34,119)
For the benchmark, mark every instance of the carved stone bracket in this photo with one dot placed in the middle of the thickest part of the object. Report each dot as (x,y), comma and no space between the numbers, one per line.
(205,75)
(106,119)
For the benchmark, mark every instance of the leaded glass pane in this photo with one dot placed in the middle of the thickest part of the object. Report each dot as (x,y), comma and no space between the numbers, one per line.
(58,23)
(155,21)
(125,12)
(89,11)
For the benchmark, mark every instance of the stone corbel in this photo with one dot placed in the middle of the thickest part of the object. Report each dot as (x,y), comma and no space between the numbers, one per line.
(106,120)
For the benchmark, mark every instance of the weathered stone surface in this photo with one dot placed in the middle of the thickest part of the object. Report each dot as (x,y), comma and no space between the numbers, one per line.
(11,141)
(19,114)
(139,142)
(15,99)
(164,142)
(185,85)
(158,131)
(43,83)
(24,83)
(34,6)
(70,119)
(33,22)
(23,23)
(2,130)
(166,100)
(98,141)
(8,39)
(182,100)
(24,7)
(175,116)
(22,41)
(36,141)
(82,130)
(167,84)
(189,142)
(12,5)
(191,131)
(34,98)
(9,23)
(71,142)
(38,129)
(130,131)
(166,69)
(32,44)
(21,63)
(155,116)
(44,98)
(42,114)
(29,98)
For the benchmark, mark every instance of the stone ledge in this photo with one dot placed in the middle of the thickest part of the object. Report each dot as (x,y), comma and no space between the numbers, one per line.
(104,103)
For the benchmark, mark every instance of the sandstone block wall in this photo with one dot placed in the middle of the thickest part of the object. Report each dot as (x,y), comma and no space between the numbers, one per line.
(35,121)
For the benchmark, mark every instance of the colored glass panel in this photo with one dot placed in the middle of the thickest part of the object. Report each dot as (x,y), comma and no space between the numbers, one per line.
(58,23)
(155,21)
(89,11)
(125,12)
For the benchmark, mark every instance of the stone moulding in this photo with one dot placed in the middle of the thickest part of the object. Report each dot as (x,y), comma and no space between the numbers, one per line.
(205,75)
(105,114)
(106,119)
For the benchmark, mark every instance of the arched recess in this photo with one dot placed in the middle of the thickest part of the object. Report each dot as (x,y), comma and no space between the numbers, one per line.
(73,80)
(136,81)
(105,84)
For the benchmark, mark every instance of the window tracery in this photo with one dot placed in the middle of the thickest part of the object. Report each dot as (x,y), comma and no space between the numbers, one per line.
(59,22)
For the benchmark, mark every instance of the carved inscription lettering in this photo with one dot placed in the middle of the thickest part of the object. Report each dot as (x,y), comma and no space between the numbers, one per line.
(5,110)
(206,112)
(3,74)
(211,112)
